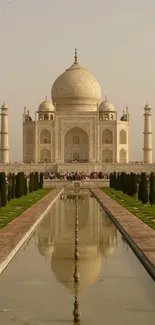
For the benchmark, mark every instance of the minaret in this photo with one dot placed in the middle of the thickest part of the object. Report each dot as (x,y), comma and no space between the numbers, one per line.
(147,135)
(4,135)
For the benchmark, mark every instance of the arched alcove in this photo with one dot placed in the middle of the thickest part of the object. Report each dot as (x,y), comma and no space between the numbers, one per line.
(46,117)
(45,136)
(51,117)
(122,156)
(122,137)
(107,156)
(45,156)
(106,136)
(76,145)
(29,137)
(106,117)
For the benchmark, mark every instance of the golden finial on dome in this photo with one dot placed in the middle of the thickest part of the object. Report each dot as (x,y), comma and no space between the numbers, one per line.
(76,57)
(46,97)
(106,97)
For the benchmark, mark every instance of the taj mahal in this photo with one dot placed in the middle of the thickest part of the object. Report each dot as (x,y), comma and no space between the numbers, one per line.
(76,126)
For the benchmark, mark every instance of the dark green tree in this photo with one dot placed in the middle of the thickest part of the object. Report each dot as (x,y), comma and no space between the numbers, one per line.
(36,181)
(111,180)
(17,186)
(31,182)
(152,189)
(134,185)
(25,186)
(144,188)
(13,186)
(41,181)
(9,192)
(3,189)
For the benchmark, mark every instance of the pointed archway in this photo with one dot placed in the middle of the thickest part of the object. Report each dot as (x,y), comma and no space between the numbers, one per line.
(76,145)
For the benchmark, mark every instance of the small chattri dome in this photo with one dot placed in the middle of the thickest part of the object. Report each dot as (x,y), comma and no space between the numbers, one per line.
(106,106)
(46,106)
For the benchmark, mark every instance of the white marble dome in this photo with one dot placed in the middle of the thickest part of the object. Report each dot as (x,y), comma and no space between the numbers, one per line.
(106,106)
(46,106)
(76,86)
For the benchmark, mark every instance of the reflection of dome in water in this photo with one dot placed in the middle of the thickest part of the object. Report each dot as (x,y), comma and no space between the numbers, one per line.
(89,270)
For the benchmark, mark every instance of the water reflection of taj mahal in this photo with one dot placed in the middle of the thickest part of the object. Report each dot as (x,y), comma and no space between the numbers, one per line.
(97,239)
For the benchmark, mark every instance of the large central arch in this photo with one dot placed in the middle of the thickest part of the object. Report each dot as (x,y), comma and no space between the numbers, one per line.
(76,145)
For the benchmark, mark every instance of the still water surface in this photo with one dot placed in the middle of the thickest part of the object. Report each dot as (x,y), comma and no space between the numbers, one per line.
(37,286)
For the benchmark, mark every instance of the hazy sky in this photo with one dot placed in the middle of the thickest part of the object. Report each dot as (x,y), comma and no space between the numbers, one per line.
(115,41)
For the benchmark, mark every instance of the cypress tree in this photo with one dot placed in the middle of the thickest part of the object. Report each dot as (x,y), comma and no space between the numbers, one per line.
(17,186)
(121,181)
(13,186)
(9,192)
(139,191)
(0,199)
(114,180)
(31,182)
(128,187)
(152,189)
(25,186)
(134,185)
(144,188)
(41,183)
(3,189)
(124,183)
(111,180)
(36,181)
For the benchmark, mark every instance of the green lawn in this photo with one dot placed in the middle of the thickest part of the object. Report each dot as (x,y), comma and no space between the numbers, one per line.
(144,212)
(16,206)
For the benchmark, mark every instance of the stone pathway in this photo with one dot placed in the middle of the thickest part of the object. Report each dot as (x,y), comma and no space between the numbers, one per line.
(140,233)
(15,233)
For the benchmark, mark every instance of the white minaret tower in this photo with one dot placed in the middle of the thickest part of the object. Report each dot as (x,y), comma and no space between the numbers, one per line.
(147,135)
(4,135)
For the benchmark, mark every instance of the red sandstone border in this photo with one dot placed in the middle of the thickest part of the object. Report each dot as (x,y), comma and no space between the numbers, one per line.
(15,233)
(140,233)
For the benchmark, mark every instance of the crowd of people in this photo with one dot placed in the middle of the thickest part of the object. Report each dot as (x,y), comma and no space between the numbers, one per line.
(73,176)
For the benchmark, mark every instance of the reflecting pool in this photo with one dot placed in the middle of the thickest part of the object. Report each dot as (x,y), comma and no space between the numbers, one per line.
(37,287)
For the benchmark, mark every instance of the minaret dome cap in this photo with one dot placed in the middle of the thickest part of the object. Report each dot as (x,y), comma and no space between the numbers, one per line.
(4,106)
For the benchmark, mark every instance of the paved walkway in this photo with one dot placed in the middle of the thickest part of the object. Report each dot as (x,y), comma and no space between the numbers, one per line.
(15,233)
(141,234)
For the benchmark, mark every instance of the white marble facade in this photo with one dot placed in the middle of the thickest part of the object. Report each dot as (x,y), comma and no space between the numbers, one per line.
(76,126)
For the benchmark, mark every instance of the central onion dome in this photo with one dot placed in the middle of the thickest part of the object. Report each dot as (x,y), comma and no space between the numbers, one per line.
(76,87)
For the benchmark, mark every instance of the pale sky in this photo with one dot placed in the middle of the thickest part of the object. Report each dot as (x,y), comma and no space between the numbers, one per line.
(115,41)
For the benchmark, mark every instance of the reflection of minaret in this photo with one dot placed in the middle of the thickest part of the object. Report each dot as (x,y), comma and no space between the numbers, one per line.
(4,135)
(76,276)
(147,135)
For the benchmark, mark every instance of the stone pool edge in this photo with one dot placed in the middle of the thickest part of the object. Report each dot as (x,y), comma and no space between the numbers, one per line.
(139,252)
(5,258)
